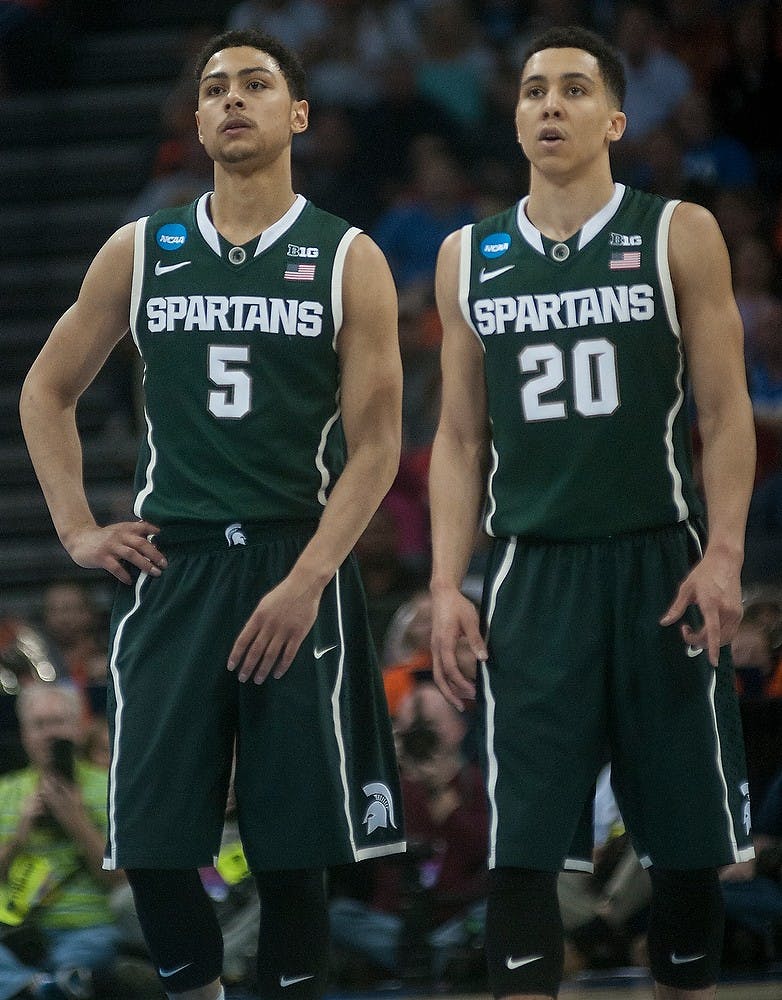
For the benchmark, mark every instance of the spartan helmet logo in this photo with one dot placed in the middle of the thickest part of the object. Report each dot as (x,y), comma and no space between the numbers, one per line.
(380,811)
(234,535)
(745,811)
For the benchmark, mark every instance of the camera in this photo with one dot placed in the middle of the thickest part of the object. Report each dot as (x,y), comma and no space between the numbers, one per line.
(420,741)
(61,758)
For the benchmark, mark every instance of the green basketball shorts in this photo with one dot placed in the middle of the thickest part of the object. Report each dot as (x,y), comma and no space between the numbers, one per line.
(315,771)
(579,672)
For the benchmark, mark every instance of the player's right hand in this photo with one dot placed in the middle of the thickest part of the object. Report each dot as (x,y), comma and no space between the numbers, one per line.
(116,545)
(454,622)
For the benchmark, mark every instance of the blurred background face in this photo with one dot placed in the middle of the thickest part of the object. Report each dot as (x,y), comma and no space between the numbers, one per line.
(67,613)
(47,716)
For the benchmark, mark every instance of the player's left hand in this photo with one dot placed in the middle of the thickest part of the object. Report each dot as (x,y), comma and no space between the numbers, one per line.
(714,587)
(271,638)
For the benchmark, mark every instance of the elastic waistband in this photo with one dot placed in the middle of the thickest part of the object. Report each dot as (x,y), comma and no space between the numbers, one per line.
(236,533)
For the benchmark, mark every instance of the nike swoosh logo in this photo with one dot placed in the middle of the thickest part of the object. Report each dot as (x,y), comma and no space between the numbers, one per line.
(291,980)
(685,959)
(694,651)
(165,973)
(516,963)
(322,652)
(487,275)
(161,268)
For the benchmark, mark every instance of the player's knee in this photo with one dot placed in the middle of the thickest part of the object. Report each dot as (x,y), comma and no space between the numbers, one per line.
(524,949)
(686,924)
(179,925)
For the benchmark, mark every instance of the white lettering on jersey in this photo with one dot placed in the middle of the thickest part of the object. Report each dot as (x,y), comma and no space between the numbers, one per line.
(568,310)
(247,313)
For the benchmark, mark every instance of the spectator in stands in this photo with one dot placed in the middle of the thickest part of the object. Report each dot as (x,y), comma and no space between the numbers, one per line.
(72,621)
(423,909)
(410,231)
(388,580)
(758,671)
(456,63)
(753,283)
(604,913)
(52,835)
(753,890)
(744,91)
(657,82)
(710,157)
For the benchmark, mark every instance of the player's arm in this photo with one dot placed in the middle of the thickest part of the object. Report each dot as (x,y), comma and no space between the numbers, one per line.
(456,482)
(714,346)
(68,362)
(371,403)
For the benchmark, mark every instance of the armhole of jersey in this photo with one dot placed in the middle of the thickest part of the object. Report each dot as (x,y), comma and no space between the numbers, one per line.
(138,275)
(465,266)
(336,280)
(664,267)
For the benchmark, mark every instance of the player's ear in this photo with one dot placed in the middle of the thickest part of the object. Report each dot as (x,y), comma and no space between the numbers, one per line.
(616,125)
(300,111)
(198,127)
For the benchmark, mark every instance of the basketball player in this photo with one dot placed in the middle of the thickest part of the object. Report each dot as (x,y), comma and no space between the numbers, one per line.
(573,323)
(272,385)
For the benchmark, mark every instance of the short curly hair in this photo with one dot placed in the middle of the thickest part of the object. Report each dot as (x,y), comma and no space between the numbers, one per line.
(574,37)
(254,38)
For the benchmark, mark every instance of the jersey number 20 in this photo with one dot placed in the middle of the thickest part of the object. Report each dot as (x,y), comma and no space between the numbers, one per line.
(595,381)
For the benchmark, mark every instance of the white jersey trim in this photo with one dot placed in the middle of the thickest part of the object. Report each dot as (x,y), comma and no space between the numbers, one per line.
(110,859)
(139,261)
(463,290)
(269,236)
(669,300)
(492,767)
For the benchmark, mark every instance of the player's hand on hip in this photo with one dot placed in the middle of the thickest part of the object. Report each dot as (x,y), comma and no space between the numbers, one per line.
(714,587)
(269,641)
(455,625)
(115,547)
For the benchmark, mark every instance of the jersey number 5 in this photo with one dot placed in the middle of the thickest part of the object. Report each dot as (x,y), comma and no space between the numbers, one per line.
(595,380)
(234,400)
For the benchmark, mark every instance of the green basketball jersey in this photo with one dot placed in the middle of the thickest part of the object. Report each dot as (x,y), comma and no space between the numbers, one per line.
(585,372)
(241,375)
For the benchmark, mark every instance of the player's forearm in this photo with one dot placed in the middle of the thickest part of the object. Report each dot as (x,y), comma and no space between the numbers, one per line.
(365,480)
(728,475)
(456,488)
(55,450)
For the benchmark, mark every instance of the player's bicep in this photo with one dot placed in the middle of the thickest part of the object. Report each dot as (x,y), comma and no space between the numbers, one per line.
(711,325)
(463,411)
(84,336)
(368,346)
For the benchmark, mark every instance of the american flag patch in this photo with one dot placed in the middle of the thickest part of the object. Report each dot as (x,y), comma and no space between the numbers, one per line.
(627,260)
(300,272)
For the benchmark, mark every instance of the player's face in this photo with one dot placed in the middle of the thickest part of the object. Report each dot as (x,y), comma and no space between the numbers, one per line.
(245,110)
(564,116)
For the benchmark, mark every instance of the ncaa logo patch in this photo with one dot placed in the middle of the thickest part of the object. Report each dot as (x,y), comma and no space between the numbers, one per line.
(495,245)
(380,811)
(172,236)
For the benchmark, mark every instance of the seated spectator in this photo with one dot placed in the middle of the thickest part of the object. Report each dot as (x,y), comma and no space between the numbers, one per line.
(410,231)
(753,890)
(604,913)
(657,81)
(72,622)
(388,579)
(758,671)
(424,908)
(52,836)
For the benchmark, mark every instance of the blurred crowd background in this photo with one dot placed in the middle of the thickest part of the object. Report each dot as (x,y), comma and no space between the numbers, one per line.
(411,136)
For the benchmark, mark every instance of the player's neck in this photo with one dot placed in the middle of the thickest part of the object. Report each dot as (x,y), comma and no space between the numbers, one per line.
(245,205)
(560,209)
